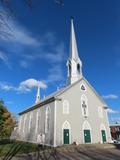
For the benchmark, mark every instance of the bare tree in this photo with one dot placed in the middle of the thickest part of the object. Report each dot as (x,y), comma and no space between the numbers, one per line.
(7,11)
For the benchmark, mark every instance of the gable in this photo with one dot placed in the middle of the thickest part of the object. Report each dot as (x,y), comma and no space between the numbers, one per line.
(95,92)
(78,84)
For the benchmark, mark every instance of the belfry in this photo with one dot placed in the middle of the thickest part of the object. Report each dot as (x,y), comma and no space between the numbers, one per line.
(74,63)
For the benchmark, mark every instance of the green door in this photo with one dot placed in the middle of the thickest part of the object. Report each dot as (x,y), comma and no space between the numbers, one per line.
(103,136)
(66,136)
(87,136)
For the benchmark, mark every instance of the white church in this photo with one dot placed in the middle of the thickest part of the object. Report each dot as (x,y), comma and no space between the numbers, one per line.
(73,114)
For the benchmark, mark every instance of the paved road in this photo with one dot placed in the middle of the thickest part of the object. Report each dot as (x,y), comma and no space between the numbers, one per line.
(82,152)
(91,154)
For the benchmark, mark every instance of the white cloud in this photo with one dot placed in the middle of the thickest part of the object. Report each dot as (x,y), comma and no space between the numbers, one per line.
(112,111)
(110,96)
(4,58)
(24,64)
(24,86)
(43,47)
(55,56)
(19,34)
(55,74)
(115,119)
(6,87)
(28,84)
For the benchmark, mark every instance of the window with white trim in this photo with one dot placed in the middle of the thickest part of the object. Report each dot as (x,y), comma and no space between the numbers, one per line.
(38,121)
(20,122)
(47,119)
(84,105)
(24,122)
(100,112)
(30,121)
(65,107)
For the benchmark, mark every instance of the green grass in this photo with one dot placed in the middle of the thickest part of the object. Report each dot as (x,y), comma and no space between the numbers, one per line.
(7,146)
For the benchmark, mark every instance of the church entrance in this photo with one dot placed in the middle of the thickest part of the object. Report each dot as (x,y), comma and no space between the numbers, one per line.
(103,136)
(66,136)
(87,136)
(66,133)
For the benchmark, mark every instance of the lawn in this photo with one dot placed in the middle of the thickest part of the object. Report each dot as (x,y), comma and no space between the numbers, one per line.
(13,147)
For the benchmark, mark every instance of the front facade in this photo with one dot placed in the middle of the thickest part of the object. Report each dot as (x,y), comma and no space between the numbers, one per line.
(74,114)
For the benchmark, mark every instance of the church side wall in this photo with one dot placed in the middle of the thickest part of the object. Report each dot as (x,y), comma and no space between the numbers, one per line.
(75,117)
(32,123)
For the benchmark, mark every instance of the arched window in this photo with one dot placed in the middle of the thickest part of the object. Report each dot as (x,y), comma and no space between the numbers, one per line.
(84,105)
(30,121)
(20,123)
(65,107)
(69,70)
(100,112)
(37,121)
(47,119)
(78,68)
(24,122)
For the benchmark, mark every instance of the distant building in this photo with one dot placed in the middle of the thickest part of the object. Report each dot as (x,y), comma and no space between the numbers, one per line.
(75,113)
(115,131)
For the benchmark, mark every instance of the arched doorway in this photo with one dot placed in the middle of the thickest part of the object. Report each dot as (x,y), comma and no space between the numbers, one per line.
(103,133)
(66,132)
(87,132)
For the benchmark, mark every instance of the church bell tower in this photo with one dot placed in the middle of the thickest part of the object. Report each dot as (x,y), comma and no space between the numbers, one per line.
(74,64)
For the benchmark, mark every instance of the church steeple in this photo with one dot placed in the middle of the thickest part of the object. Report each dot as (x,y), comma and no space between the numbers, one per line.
(38,94)
(74,63)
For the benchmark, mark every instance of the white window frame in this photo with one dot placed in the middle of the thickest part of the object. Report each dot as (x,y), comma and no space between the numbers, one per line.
(84,98)
(84,86)
(36,129)
(37,121)
(100,112)
(65,107)
(24,122)
(20,122)
(66,125)
(47,119)
(30,120)
(102,127)
(86,125)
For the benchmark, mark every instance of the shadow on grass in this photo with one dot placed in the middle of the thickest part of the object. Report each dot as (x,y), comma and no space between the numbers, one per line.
(5,141)
(27,151)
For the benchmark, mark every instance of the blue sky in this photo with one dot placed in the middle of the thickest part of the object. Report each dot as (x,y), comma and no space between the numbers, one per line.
(38,49)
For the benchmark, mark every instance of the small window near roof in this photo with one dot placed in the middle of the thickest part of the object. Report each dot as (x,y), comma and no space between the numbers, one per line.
(82,87)
(100,112)
(65,107)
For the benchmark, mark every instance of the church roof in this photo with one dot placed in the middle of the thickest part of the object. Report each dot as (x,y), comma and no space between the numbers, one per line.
(54,96)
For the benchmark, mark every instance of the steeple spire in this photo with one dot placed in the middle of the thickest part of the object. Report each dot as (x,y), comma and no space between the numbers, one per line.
(73,44)
(74,63)
(38,94)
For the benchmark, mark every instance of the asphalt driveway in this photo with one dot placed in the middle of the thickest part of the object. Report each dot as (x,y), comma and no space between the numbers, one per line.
(71,152)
